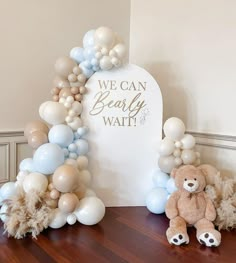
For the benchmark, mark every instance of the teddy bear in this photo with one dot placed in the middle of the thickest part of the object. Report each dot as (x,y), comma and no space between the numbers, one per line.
(190,206)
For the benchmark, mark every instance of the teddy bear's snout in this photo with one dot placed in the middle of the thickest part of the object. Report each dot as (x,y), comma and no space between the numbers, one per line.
(191,185)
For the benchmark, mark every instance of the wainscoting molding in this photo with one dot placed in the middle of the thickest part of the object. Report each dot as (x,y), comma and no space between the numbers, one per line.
(215,149)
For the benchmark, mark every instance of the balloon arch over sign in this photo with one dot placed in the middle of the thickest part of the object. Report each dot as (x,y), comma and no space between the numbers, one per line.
(53,187)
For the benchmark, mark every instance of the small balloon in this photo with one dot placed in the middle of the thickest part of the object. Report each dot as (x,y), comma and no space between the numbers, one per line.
(75,124)
(105,63)
(71,219)
(188,141)
(77,54)
(166,147)
(188,156)
(68,202)
(3,211)
(120,50)
(166,163)
(85,177)
(156,200)
(82,162)
(82,146)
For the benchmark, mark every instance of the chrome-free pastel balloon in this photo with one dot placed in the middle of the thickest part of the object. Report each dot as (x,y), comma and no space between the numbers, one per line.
(47,158)
(68,202)
(77,54)
(35,181)
(156,200)
(174,129)
(170,186)
(166,147)
(88,39)
(61,134)
(166,163)
(160,178)
(34,126)
(188,141)
(37,138)
(58,219)
(82,146)
(90,210)
(65,178)
(188,156)
(8,190)
(104,37)
(27,165)
(64,66)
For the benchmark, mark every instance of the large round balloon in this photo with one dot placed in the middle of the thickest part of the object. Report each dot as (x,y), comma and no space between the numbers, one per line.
(104,37)
(156,200)
(160,178)
(37,138)
(34,126)
(27,165)
(166,147)
(64,66)
(47,158)
(188,141)
(8,190)
(90,210)
(167,163)
(35,181)
(174,129)
(65,178)
(82,146)
(61,134)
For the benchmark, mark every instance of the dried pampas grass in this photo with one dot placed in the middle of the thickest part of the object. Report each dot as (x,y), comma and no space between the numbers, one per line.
(222,191)
(27,213)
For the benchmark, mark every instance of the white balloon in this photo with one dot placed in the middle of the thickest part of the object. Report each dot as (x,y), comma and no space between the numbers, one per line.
(120,50)
(35,181)
(82,162)
(166,147)
(58,219)
(177,153)
(188,156)
(77,107)
(174,129)
(8,190)
(3,210)
(104,37)
(53,112)
(89,192)
(90,210)
(71,219)
(105,63)
(75,124)
(188,141)
(178,161)
(85,177)
(166,163)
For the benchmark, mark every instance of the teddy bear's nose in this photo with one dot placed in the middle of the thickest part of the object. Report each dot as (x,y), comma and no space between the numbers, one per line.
(190,184)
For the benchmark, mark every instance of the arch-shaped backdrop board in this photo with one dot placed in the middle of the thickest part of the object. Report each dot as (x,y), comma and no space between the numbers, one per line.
(123,110)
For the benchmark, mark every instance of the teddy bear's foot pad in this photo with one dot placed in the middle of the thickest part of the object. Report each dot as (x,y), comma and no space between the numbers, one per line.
(208,239)
(179,239)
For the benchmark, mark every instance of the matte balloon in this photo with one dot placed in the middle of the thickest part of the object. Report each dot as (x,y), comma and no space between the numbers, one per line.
(88,72)
(27,165)
(34,126)
(64,66)
(35,181)
(77,54)
(65,178)
(156,200)
(160,178)
(53,112)
(105,63)
(188,156)
(75,124)
(174,129)
(104,37)
(82,162)
(47,158)
(72,162)
(68,202)
(170,186)
(188,141)
(166,147)
(61,134)
(89,53)
(76,107)
(88,39)
(166,163)
(8,190)
(120,50)
(58,219)
(83,147)
(71,219)
(85,177)
(65,92)
(37,138)
(61,82)
(3,212)
(90,210)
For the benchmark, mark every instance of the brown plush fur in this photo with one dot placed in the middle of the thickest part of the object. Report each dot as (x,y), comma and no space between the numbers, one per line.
(27,213)
(190,205)
(222,191)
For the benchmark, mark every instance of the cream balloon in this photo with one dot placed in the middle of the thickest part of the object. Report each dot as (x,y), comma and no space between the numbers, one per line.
(8,190)
(64,66)
(188,141)
(34,126)
(104,37)
(35,181)
(188,156)
(90,210)
(53,112)
(75,124)
(61,83)
(120,50)
(85,177)
(71,219)
(3,211)
(37,138)
(166,147)
(105,63)
(82,162)
(174,129)
(166,163)
(58,219)
(68,202)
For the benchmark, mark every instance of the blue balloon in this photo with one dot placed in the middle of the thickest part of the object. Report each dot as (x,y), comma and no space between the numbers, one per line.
(156,200)
(170,186)
(61,134)
(82,146)
(27,165)
(77,54)
(88,72)
(72,147)
(47,158)
(82,131)
(89,53)
(160,178)
(73,156)
(88,39)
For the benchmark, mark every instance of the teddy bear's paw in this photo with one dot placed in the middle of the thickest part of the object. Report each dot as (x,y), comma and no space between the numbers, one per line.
(208,239)
(179,239)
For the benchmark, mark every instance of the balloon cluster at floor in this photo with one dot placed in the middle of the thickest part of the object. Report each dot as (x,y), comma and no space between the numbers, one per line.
(54,186)
(175,149)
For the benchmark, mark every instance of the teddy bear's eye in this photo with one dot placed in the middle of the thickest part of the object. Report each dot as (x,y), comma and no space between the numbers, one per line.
(185,179)
(195,179)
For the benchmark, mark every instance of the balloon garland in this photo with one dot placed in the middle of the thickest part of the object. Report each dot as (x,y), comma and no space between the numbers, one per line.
(53,187)
(175,149)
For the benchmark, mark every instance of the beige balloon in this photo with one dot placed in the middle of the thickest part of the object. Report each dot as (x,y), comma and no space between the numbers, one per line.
(65,178)
(35,126)
(64,66)
(37,138)
(65,92)
(60,83)
(68,202)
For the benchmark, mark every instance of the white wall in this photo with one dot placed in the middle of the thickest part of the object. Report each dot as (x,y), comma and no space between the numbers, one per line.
(189,47)
(33,35)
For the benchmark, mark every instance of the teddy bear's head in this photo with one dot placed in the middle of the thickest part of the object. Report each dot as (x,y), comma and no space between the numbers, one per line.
(189,178)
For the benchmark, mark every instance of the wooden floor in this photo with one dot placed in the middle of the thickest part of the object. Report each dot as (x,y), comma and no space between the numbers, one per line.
(124,235)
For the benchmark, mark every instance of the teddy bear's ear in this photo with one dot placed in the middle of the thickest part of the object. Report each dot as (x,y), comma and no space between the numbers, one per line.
(173,172)
(203,170)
